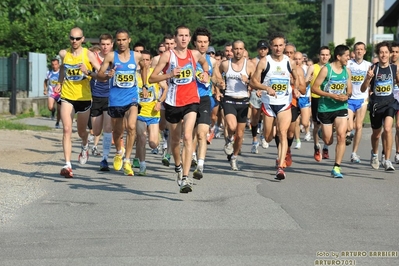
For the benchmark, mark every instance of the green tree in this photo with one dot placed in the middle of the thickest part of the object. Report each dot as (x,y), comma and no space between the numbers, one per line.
(38,25)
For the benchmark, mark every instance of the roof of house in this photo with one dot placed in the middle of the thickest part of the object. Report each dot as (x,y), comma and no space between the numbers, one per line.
(391,17)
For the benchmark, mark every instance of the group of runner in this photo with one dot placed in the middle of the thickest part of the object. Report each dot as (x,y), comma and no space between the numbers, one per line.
(179,92)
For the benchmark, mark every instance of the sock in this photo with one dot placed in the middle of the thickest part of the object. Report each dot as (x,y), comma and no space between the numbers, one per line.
(233,157)
(298,140)
(200,162)
(126,160)
(68,164)
(107,140)
(325,147)
(142,164)
(290,141)
(337,165)
(254,130)
(178,168)
(85,147)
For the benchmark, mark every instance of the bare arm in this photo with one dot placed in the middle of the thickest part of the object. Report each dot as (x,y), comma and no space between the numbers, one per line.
(107,63)
(309,75)
(163,61)
(349,83)
(61,77)
(369,78)
(255,80)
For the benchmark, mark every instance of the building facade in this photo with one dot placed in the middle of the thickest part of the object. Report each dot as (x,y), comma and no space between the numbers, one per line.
(344,19)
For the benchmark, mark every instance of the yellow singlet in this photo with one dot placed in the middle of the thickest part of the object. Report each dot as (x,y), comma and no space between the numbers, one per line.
(148,104)
(76,86)
(316,70)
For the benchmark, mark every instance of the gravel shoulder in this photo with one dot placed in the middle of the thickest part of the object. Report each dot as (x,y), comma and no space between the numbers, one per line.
(23,154)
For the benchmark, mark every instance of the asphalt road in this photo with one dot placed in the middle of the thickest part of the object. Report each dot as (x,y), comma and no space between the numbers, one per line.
(230,218)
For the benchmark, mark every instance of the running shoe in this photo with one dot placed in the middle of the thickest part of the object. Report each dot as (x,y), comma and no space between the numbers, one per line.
(186,185)
(336,172)
(127,169)
(194,160)
(317,155)
(355,158)
(136,163)
(383,160)
(228,148)
(104,165)
(388,166)
(280,175)
(155,151)
(210,137)
(66,172)
(348,140)
(288,158)
(95,151)
(118,160)
(374,161)
(166,159)
(397,158)
(233,164)
(57,125)
(308,137)
(83,155)
(197,174)
(265,145)
(298,144)
(254,148)
(143,170)
(325,154)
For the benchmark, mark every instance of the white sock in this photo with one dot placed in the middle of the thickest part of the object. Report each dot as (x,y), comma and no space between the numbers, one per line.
(68,164)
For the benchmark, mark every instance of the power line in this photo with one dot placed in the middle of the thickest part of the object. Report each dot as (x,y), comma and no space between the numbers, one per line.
(245,16)
(189,5)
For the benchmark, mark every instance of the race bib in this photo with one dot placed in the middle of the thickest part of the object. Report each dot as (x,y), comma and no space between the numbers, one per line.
(151,95)
(383,88)
(280,86)
(73,73)
(336,86)
(124,79)
(185,76)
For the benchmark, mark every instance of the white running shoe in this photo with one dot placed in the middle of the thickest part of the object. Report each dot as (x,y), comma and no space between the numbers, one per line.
(298,145)
(265,145)
(355,158)
(233,164)
(228,148)
(388,166)
(84,155)
(308,137)
(254,148)
(186,185)
(374,162)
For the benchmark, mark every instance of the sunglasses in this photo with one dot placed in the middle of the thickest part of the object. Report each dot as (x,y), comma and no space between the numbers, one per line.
(75,38)
(210,53)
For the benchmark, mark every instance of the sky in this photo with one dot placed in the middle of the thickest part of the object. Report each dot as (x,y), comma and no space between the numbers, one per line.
(388,4)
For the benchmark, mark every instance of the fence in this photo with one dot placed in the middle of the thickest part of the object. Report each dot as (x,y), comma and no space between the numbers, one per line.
(21,78)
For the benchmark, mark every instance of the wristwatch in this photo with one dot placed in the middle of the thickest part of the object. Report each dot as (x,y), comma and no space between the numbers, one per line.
(89,72)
